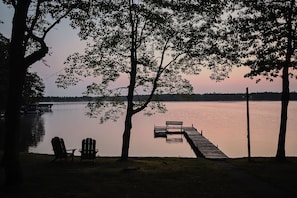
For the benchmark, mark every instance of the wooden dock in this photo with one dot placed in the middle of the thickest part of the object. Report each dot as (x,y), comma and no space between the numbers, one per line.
(201,146)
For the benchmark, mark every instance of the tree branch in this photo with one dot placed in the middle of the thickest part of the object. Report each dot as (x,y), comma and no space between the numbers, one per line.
(59,19)
(37,55)
(141,36)
(37,14)
(158,75)
(163,55)
(13,3)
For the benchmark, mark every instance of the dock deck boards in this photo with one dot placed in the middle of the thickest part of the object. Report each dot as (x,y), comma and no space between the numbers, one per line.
(201,146)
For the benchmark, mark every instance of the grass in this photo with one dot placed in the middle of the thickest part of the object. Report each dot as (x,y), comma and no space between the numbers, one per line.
(144,177)
(279,174)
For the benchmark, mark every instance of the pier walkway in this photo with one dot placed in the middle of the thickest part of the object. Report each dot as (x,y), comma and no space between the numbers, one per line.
(201,146)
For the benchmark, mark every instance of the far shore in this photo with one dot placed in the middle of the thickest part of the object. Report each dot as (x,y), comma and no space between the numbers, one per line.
(261,96)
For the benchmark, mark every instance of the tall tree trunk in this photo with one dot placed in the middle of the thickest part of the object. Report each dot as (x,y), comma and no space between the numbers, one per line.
(281,153)
(129,114)
(130,111)
(16,80)
(126,136)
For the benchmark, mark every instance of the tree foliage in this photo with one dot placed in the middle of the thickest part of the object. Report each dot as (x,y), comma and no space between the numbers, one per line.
(42,17)
(4,44)
(150,43)
(266,35)
(33,88)
(263,29)
(170,39)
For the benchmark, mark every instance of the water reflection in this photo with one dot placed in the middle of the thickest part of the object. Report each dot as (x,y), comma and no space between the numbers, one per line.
(170,138)
(32,131)
(174,139)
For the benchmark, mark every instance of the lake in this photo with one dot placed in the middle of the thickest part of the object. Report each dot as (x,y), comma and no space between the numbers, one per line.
(223,123)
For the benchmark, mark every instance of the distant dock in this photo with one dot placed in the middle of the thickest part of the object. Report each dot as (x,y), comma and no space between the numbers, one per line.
(45,106)
(201,146)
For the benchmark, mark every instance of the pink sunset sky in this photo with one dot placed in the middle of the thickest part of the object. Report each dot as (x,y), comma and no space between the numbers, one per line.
(63,41)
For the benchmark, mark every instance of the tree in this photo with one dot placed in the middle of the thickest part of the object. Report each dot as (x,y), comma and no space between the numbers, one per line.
(266,31)
(4,44)
(151,43)
(32,21)
(33,88)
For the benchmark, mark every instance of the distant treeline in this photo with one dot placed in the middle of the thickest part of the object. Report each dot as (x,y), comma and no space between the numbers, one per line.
(266,96)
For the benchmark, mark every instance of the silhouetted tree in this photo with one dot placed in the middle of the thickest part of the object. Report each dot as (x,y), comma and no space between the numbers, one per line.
(32,21)
(151,43)
(4,45)
(33,88)
(266,31)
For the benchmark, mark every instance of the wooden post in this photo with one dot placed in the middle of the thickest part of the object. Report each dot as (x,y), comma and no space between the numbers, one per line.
(248,123)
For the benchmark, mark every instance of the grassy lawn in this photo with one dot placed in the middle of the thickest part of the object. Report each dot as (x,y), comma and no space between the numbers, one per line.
(282,175)
(143,177)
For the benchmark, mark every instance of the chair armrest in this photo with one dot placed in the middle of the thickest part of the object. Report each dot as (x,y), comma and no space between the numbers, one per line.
(72,150)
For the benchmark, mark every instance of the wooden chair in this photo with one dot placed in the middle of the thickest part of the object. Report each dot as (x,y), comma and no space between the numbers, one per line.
(88,151)
(60,150)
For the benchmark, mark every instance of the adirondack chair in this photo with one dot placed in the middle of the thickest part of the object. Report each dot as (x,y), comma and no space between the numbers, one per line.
(88,151)
(60,150)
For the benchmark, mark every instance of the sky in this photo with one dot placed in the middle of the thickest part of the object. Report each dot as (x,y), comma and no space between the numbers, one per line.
(63,41)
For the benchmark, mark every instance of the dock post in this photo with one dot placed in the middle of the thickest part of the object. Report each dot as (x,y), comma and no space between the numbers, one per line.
(248,123)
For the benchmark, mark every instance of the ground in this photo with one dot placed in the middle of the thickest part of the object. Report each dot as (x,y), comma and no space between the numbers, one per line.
(153,177)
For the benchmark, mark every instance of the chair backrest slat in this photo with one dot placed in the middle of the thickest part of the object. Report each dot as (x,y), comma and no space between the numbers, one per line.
(59,147)
(88,149)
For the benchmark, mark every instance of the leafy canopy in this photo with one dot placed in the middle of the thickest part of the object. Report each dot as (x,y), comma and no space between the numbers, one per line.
(33,88)
(155,42)
(263,29)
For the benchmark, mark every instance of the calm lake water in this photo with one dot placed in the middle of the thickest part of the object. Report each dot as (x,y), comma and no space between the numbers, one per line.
(223,123)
